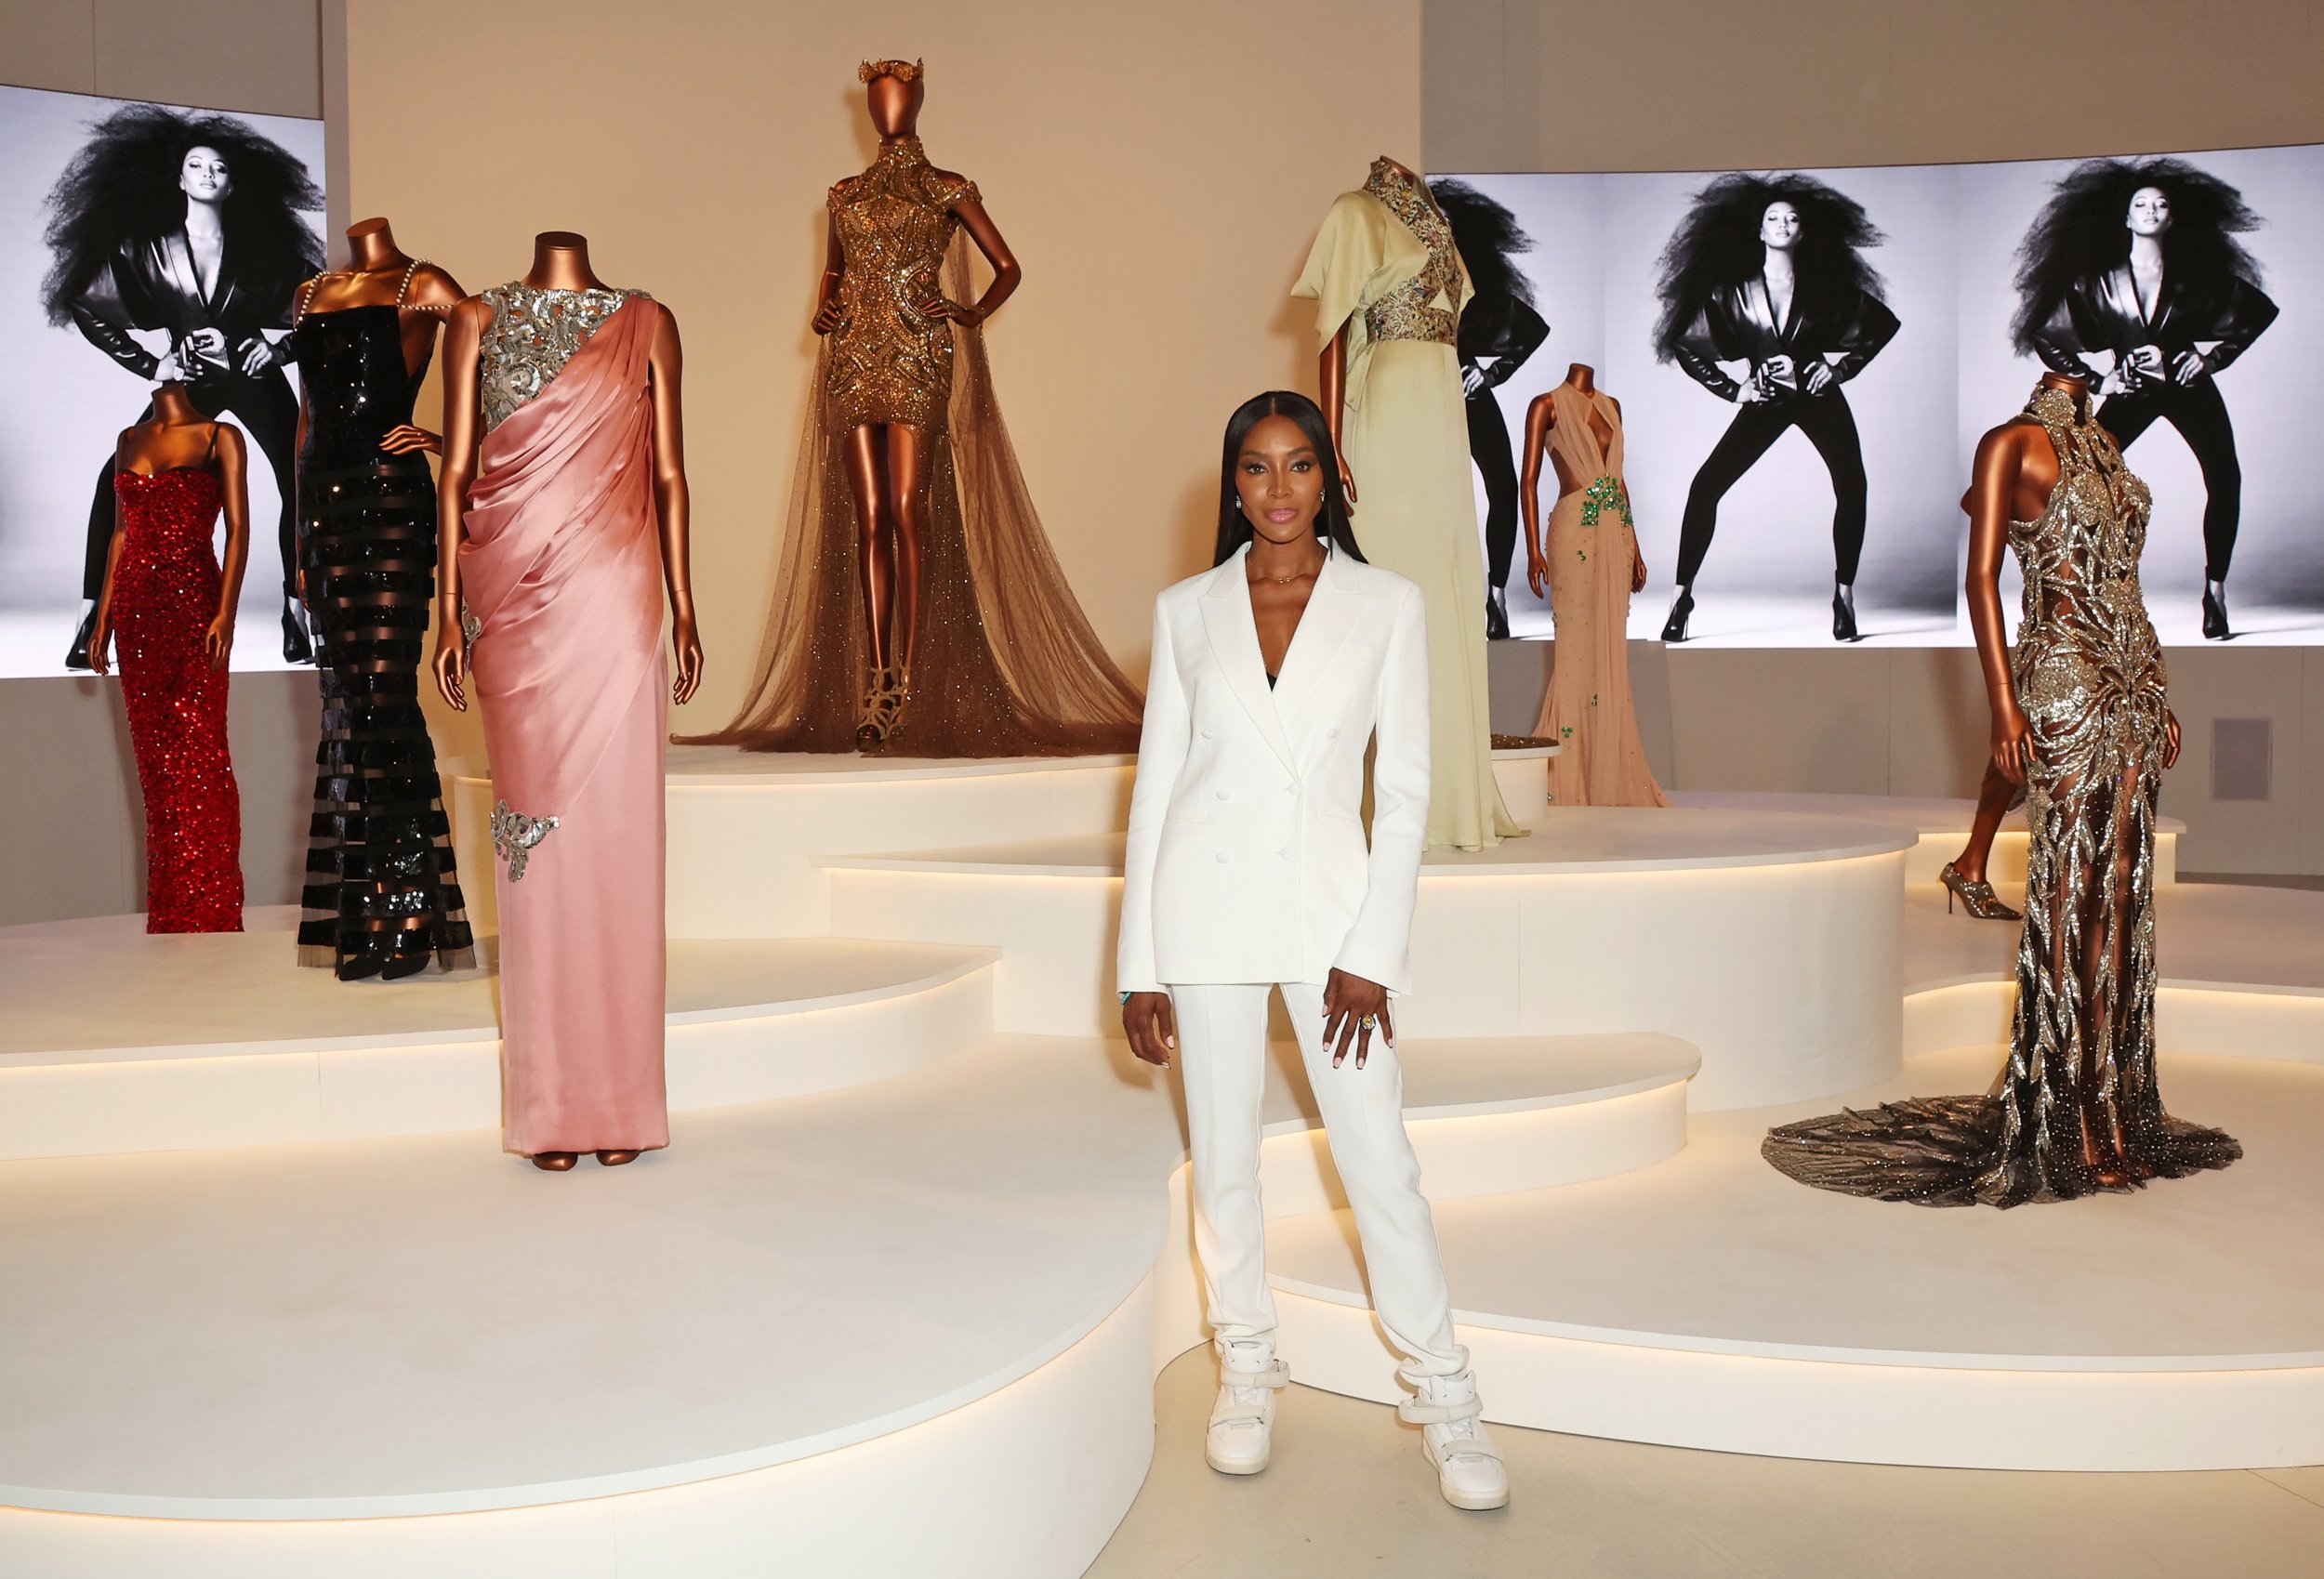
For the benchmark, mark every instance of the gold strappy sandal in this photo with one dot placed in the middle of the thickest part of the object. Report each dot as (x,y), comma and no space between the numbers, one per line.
(883,708)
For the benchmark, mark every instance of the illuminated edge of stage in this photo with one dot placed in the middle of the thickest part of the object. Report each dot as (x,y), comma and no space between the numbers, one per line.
(1747,1364)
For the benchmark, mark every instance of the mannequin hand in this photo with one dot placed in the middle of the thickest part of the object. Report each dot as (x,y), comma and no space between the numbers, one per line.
(2012,740)
(451,662)
(2189,367)
(1637,571)
(827,315)
(1819,376)
(405,440)
(2169,730)
(1537,572)
(1347,483)
(937,309)
(1349,1001)
(257,356)
(1152,1025)
(687,648)
(100,636)
(219,640)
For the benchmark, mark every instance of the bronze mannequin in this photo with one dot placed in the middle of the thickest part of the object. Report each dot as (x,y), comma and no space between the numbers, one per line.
(560,261)
(177,436)
(887,463)
(2015,469)
(375,276)
(1541,416)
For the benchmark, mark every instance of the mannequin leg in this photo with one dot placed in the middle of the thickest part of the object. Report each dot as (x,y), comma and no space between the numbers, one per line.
(904,483)
(1995,796)
(874,557)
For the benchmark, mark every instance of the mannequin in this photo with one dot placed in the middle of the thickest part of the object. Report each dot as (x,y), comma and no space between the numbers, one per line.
(2080,716)
(1389,287)
(172,609)
(563,520)
(1588,560)
(918,606)
(382,896)
(889,463)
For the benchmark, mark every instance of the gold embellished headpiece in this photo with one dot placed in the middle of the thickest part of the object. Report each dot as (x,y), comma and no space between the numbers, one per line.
(903,70)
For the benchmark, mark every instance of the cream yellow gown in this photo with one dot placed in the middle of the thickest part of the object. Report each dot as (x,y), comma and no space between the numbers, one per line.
(1383,270)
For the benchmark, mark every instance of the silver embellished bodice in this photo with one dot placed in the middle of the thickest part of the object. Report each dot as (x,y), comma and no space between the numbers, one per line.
(535,331)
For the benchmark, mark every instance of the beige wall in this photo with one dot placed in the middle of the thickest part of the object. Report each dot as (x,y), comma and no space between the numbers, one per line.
(68,790)
(1687,84)
(1159,169)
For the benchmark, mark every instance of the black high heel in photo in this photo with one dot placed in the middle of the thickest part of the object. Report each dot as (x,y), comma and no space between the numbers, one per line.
(1843,614)
(2215,611)
(1674,628)
(76,656)
(296,648)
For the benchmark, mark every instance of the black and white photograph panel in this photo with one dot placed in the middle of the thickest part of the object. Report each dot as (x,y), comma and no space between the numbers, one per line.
(2181,287)
(1531,244)
(141,243)
(1786,345)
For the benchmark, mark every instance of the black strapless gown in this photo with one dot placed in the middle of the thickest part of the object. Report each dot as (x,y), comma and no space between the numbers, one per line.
(382,896)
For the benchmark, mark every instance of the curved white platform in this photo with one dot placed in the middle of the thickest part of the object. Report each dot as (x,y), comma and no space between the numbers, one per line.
(220,1040)
(949,1260)
(1769,940)
(1713,1303)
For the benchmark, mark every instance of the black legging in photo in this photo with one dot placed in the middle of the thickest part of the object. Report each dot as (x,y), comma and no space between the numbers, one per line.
(1829,426)
(1488,446)
(269,411)
(2200,416)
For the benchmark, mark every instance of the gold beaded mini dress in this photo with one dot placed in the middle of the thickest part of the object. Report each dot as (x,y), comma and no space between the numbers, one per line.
(1008,664)
(2076,1109)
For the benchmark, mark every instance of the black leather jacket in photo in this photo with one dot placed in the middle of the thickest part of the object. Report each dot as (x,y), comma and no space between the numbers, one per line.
(1738,324)
(2102,314)
(153,285)
(1502,329)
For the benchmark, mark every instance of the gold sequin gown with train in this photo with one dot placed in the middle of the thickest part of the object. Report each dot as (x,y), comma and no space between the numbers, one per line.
(2076,1109)
(1006,664)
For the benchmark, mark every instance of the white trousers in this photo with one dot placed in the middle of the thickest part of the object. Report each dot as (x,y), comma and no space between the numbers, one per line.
(1222,1052)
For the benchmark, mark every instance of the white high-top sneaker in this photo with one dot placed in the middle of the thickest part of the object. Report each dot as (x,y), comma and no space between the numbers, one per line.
(1242,1422)
(1469,1470)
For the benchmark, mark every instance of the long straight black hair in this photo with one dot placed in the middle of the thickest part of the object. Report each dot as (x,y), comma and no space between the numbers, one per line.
(1331,522)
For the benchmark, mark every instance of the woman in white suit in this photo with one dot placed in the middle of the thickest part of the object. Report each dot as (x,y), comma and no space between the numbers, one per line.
(1248,871)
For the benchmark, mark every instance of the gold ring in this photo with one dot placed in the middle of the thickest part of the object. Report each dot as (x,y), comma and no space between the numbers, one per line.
(1369,1021)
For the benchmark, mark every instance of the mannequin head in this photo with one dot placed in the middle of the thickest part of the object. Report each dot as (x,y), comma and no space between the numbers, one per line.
(1279,461)
(2150,212)
(893,91)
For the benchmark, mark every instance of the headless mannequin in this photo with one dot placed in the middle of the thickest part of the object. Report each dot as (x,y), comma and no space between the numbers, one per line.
(2016,468)
(560,261)
(176,435)
(1332,366)
(1541,416)
(888,463)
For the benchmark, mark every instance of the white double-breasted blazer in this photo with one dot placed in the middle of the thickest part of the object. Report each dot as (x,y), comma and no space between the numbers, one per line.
(1246,859)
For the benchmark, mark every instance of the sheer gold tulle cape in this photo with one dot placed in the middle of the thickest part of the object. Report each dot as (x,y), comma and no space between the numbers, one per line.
(1006,663)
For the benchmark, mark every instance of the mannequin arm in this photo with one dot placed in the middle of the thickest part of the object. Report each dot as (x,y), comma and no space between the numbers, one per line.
(462,424)
(1992,491)
(234,472)
(1331,386)
(672,504)
(1541,416)
(1007,272)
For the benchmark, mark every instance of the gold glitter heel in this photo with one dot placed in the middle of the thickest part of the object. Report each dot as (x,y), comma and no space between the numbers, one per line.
(1977,898)
(883,708)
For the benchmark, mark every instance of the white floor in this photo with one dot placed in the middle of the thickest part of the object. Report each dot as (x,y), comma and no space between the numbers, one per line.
(1347,1494)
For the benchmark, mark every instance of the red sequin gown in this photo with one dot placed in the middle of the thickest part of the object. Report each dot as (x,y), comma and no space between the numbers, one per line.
(165,589)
